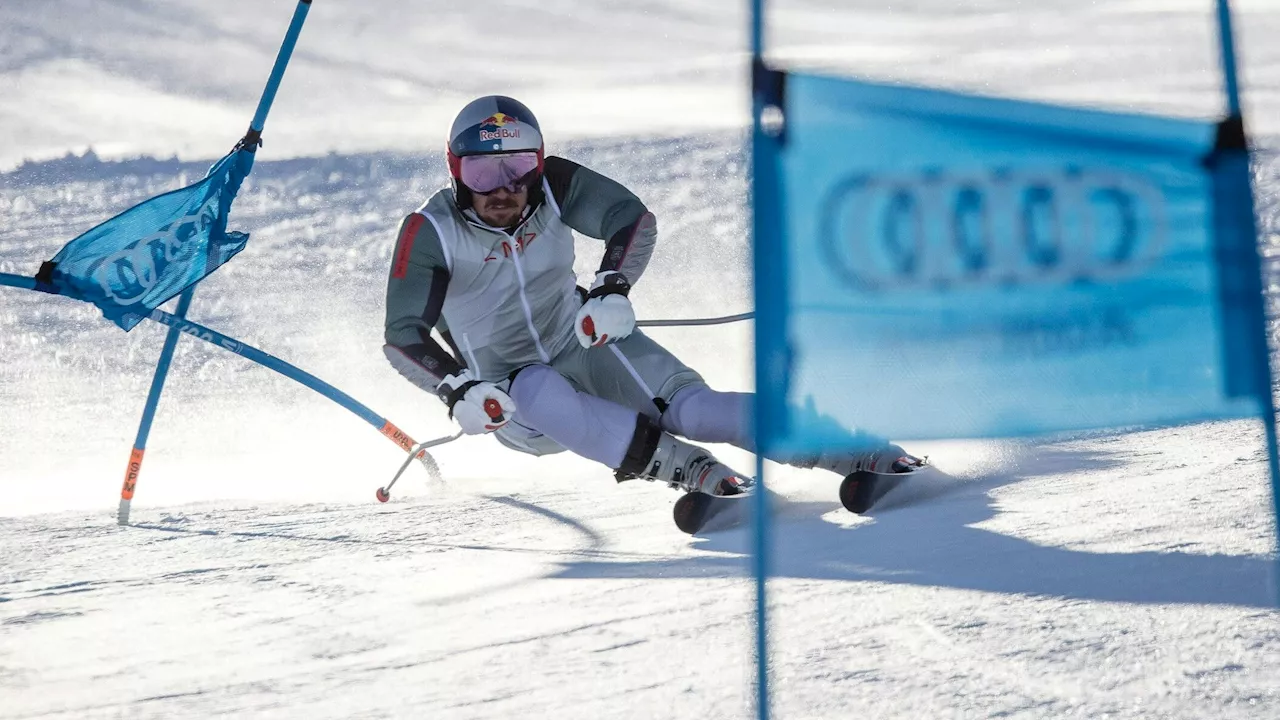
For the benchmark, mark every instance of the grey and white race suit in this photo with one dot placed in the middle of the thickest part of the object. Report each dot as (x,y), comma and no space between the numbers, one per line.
(505,300)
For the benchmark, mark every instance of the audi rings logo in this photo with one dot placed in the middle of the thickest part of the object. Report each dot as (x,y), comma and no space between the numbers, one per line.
(129,273)
(941,230)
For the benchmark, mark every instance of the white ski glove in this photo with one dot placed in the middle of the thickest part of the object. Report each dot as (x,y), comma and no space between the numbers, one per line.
(478,406)
(606,317)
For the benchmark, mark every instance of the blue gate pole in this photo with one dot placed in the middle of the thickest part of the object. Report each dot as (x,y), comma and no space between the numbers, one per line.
(250,142)
(149,411)
(760,544)
(1235,114)
(277,70)
(1231,80)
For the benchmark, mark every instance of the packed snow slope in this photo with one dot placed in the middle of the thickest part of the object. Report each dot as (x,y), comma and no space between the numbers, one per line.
(159,76)
(1124,574)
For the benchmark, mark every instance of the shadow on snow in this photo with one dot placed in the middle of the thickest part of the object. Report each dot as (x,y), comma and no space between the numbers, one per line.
(936,545)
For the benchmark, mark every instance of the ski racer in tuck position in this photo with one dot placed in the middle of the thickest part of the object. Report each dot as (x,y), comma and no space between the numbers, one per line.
(539,362)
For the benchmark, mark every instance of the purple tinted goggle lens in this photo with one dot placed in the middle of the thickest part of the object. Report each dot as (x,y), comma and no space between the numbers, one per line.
(486,173)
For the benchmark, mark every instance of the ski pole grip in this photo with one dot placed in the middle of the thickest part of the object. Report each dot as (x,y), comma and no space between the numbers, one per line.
(493,409)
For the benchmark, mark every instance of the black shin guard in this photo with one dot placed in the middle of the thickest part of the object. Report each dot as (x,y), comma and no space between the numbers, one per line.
(640,451)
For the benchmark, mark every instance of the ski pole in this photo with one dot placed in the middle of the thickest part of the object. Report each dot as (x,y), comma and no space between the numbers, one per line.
(418,451)
(697,321)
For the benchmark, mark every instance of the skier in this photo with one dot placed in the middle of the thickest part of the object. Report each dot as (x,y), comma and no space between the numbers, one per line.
(544,364)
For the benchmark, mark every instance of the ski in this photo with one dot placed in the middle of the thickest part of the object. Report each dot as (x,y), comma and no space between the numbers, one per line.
(862,489)
(698,511)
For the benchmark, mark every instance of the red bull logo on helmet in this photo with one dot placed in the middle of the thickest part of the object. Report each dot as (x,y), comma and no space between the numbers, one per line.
(499,121)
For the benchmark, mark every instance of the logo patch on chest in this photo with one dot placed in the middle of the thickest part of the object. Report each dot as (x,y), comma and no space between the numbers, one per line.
(521,242)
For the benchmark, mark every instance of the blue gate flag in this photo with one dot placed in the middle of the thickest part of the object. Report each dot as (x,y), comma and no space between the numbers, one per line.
(137,260)
(942,265)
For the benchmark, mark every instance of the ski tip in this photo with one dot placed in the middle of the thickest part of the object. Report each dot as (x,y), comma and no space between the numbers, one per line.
(698,512)
(691,511)
(857,492)
(862,489)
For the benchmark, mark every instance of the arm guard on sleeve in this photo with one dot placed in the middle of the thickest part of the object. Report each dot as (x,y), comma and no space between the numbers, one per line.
(602,208)
(629,249)
(423,364)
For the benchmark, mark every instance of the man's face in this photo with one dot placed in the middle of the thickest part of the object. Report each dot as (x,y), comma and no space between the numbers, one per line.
(501,208)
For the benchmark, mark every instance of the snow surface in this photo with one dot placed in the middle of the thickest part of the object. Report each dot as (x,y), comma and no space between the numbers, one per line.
(162,76)
(1122,574)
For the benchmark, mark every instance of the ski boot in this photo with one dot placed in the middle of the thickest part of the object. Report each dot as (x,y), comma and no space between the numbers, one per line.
(692,469)
(890,458)
(708,484)
(868,475)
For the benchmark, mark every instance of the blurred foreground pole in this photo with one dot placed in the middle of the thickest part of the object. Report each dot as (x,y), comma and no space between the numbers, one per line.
(766,267)
(1236,160)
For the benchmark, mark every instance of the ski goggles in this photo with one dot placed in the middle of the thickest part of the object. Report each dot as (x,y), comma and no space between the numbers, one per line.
(486,173)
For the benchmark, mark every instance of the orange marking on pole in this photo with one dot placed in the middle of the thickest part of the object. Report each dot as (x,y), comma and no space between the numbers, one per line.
(131,474)
(398,436)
